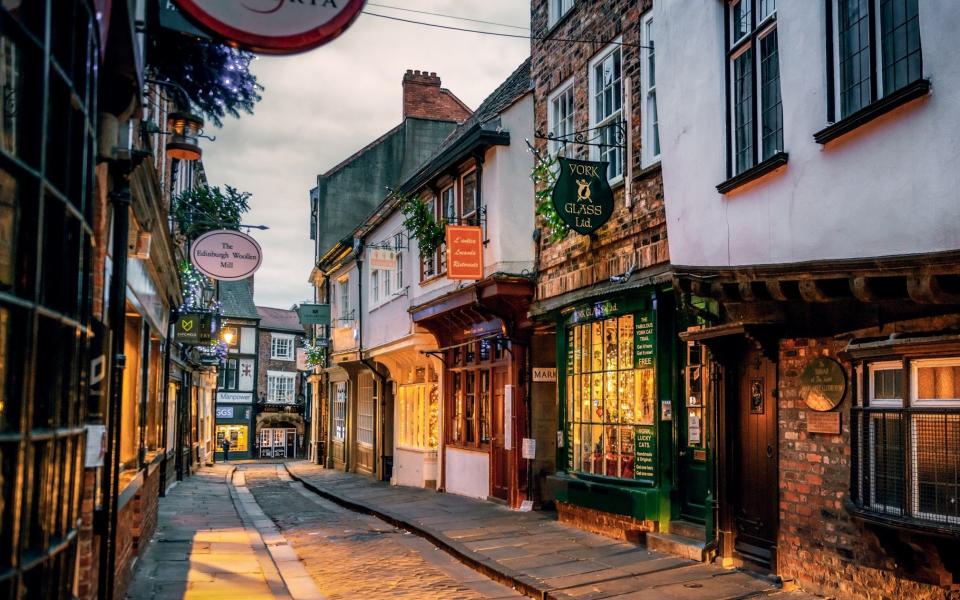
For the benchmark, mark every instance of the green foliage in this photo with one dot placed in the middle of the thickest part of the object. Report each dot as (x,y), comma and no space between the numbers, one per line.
(215,76)
(316,354)
(422,225)
(206,208)
(544,176)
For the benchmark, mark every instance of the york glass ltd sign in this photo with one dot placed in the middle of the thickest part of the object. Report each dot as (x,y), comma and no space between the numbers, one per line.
(226,255)
(582,196)
(273,26)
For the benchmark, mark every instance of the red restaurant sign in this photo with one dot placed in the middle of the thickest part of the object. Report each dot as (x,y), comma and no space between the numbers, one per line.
(274,26)
(464,252)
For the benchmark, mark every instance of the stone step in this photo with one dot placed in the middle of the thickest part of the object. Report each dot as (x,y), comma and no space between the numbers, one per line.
(677,545)
(688,529)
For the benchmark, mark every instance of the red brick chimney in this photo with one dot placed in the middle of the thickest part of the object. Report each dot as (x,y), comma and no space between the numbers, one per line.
(423,98)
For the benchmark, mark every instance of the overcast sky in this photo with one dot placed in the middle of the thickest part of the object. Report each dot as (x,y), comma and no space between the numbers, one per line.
(320,107)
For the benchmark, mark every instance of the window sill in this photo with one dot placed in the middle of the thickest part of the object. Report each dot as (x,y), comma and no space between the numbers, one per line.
(559,22)
(753,173)
(648,171)
(917,89)
(906,524)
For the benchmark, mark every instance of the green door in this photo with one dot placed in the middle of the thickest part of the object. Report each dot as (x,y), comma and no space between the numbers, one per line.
(691,419)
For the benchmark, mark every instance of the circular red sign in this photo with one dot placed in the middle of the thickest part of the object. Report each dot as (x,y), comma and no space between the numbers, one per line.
(274,26)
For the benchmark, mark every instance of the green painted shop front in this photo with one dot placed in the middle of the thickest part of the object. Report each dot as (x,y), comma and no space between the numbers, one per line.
(633,439)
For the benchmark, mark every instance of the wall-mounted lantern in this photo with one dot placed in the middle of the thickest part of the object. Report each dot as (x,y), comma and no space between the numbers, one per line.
(185,130)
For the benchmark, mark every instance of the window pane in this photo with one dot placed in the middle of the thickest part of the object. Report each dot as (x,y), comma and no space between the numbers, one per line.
(936,439)
(900,40)
(854,35)
(771,106)
(470,194)
(742,20)
(743,110)
(938,383)
(888,384)
(767,8)
(886,472)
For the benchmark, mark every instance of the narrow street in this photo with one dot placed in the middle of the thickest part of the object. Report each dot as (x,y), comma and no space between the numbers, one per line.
(265,536)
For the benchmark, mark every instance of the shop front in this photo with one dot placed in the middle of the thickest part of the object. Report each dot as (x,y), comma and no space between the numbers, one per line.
(618,367)
(482,331)
(233,426)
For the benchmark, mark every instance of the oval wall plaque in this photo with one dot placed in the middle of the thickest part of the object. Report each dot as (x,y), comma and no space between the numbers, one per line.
(274,26)
(226,255)
(823,384)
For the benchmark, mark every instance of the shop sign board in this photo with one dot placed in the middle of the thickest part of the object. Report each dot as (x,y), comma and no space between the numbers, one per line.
(194,328)
(544,374)
(823,422)
(314,314)
(383,260)
(645,453)
(823,383)
(226,255)
(644,346)
(234,398)
(273,26)
(464,252)
(224,412)
(582,196)
(529,449)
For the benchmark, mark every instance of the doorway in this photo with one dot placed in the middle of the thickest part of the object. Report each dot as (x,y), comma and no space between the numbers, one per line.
(502,426)
(754,493)
(693,476)
(278,442)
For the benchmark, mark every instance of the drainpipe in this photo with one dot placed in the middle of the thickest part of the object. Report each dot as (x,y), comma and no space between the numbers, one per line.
(120,199)
(166,402)
(381,379)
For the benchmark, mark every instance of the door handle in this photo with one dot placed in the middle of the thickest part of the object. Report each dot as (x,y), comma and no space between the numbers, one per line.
(769,451)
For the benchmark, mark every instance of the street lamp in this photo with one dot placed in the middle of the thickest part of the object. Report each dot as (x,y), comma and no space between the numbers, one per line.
(184,130)
(228,337)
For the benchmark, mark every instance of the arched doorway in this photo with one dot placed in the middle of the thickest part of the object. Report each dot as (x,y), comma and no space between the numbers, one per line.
(279,436)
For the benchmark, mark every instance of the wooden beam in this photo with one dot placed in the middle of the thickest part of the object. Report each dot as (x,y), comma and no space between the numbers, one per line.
(861,290)
(776,292)
(810,291)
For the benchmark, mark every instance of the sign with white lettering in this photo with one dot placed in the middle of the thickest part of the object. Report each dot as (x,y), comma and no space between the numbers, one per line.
(544,374)
(582,196)
(273,26)
(464,252)
(226,255)
(234,398)
(528,449)
(224,412)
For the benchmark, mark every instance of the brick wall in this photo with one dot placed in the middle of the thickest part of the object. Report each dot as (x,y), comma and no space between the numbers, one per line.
(636,234)
(123,572)
(88,545)
(268,364)
(821,546)
(145,510)
(424,98)
(620,527)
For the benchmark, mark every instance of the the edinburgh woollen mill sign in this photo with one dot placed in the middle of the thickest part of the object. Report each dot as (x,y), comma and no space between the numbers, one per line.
(273,26)
(226,255)
(582,196)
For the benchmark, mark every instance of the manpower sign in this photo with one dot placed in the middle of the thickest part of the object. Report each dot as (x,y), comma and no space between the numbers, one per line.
(226,255)
(273,26)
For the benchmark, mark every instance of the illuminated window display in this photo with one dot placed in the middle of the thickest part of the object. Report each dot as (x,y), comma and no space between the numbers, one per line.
(610,391)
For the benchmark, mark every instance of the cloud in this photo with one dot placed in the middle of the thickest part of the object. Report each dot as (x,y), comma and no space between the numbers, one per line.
(320,107)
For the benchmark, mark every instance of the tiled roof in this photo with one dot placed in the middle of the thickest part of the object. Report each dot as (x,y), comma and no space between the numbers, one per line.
(279,319)
(236,299)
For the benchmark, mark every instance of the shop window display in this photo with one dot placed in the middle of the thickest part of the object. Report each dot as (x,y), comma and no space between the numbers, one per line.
(610,398)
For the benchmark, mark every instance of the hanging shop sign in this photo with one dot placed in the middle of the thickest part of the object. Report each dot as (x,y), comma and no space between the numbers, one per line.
(273,26)
(314,314)
(226,255)
(383,260)
(195,329)
(464,252)
(823,383)
(582,196)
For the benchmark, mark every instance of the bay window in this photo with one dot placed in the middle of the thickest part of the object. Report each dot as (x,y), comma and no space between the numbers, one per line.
(418,408)
(906,440)
(606,109)
(473,369)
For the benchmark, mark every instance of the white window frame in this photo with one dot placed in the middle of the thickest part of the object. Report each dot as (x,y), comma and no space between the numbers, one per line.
(365,433)
(374,287)
(288,341)
(915,365)
(557,10)
(476,194)
(596,124)
(448,199)
(343,299)
(560,147)
(648,93)
(339,411)
(399,269)
(275,377)
(887,365)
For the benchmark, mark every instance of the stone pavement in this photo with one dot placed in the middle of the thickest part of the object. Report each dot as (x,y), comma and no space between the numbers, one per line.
(532,551)
(352,555)
(202,548)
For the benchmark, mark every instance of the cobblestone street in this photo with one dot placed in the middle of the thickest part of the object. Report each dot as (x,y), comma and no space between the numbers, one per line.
(264,536)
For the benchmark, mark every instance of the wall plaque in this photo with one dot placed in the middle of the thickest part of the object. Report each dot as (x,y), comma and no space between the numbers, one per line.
(823,422)
(823,384)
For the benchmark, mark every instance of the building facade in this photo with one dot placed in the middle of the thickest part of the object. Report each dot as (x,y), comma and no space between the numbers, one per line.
(280,427)
(822,263)
(237,377)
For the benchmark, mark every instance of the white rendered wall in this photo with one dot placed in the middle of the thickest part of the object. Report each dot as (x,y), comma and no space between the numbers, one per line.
(414,467)
(389,320)
(467,473)
(891,187)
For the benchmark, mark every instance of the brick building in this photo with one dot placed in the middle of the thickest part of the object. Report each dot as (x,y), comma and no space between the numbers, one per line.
(824,265)
(604,307)
(280,430)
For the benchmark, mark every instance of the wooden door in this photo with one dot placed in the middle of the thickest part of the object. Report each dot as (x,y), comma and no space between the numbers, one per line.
(755,456)
(691,422)
(499,477)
